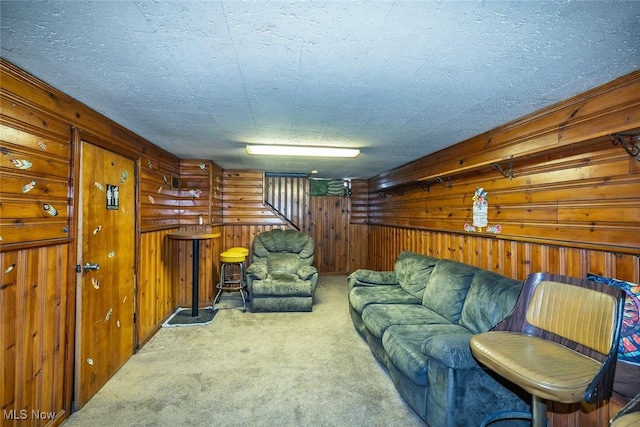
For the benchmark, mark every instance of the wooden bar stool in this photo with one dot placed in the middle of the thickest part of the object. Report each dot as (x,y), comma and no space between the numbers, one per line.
(232,275)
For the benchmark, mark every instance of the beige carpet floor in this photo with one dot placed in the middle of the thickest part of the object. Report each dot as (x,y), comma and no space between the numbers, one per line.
(254,369)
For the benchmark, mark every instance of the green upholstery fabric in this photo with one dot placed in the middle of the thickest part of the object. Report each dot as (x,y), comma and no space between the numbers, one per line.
(418,321)
(447,288)
(490,299)
(413,272)
(363,277)
(405,345)
(282,262)
(361,296)
(378,317)
(281,276)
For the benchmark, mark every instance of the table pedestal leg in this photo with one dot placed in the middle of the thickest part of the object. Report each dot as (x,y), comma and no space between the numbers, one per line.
(196,274)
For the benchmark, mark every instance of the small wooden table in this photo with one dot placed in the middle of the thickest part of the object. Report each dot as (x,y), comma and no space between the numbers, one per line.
(195,237)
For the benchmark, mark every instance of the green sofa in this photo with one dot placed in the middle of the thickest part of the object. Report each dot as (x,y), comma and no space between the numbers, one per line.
(418,320)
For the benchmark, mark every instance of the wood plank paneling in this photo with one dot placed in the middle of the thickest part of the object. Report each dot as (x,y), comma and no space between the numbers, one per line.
(359,202)
(33,349)
(243,200)
(157,283)
(510,258)
(591,202)
(195,191)
(330,231)
(35,177)
(159,200)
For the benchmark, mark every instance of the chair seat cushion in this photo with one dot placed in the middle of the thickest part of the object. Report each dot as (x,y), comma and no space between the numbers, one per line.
(543,368)
(628,420)
(282,284)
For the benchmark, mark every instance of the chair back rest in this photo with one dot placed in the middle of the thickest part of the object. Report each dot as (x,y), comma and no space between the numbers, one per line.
(572,318)
(283,242)
(579,314)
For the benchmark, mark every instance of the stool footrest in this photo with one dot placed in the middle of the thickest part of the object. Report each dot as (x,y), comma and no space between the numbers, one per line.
(231,281)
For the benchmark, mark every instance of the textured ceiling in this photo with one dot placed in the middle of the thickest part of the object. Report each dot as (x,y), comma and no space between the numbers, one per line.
(397,79)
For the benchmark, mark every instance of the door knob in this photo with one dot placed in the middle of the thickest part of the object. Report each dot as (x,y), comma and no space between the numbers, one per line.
(89,267)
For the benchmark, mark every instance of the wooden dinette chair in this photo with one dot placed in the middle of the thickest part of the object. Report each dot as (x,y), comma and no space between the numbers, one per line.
(559,343)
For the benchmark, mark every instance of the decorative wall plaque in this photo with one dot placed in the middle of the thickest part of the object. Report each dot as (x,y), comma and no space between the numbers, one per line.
(113,197)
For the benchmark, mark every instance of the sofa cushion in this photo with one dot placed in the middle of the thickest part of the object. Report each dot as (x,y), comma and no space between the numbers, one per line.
(378,317)
(360,297)
(490,299)
(405,344)
(413,271)
(450,347)
(447,288)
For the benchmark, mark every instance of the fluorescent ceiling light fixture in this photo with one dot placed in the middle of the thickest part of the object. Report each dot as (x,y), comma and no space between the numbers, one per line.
(301,150)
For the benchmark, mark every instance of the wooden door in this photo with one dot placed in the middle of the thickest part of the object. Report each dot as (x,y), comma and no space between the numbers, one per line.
(106,260)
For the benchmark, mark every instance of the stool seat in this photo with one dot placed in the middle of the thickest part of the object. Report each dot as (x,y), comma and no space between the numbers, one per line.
(232,257)
(232,275)
(239,249)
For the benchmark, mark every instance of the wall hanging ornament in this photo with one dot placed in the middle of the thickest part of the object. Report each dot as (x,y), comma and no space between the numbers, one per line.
(50,209)
(22,163)
(28,187)
(480,209)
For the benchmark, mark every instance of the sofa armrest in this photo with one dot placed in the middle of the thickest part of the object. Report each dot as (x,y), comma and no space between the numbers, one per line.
(451,350)
(257,270)
(364,277)
(306,271)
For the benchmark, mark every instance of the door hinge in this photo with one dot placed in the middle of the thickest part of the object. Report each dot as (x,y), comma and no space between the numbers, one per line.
(134,317)
(78,268)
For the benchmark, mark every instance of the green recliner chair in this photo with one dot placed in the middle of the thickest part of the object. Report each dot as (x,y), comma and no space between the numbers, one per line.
(281,276)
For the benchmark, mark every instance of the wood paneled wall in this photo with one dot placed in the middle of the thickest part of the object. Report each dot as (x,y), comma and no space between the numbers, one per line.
(35,171)
(33,343)
(38,248)
(159,197)
(330,230)
(157,295)
(516,259)
(570,185)
(197,191)
(243,200)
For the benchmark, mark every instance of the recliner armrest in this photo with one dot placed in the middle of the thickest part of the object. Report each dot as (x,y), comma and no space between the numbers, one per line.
(306,271)
(258,270)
